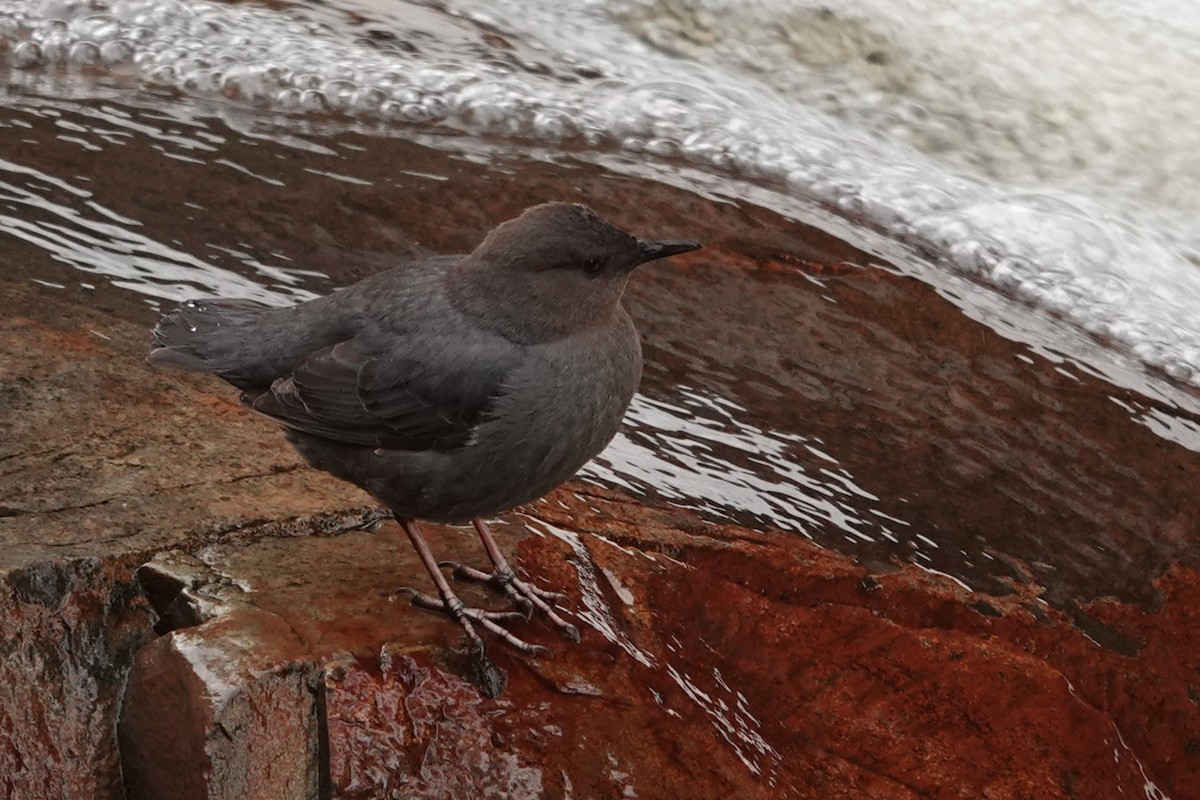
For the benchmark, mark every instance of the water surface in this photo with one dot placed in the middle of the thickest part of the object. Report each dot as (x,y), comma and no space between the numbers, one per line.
(994,387)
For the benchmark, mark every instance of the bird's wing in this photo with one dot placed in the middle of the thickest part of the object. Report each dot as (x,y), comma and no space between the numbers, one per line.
(429,397)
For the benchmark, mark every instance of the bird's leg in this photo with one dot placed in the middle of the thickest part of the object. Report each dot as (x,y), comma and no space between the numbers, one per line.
(450,604)
(521,592)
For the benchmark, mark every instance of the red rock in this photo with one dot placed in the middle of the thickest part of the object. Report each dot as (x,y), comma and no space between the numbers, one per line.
(85,498)
(209,713)
(718,660)
(678,692)
(402,729)
(68,630)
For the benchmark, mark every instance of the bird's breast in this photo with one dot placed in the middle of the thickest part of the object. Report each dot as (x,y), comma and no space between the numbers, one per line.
(560,409)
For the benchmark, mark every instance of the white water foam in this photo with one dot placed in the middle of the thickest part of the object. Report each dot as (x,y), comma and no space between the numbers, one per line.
(1044,148)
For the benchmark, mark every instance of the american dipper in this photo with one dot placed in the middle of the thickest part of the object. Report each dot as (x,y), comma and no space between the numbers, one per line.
(451,389)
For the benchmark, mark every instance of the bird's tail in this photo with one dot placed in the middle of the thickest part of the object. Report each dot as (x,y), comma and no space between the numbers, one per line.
(204,335)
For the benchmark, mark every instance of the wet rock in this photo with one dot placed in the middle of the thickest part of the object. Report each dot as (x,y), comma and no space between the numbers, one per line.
(101,464)
(903,691)
(259,657)
(746,665)
(302,645)
(202,717)
(403,728)
(69,628)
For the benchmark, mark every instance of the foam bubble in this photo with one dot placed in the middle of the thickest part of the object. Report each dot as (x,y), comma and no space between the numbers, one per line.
(1071,184)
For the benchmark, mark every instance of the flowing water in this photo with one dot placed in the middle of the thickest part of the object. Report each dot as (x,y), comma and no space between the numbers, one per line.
(1034,162)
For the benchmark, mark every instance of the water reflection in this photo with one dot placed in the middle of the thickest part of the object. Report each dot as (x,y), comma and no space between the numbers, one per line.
(96,240)
(699,454)
(726,708)
(1171,423)
(597,613)
(736,725)
(61,214)
(771,399)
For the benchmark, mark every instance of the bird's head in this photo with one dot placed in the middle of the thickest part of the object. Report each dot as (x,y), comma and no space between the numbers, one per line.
(572,239)
(564,262)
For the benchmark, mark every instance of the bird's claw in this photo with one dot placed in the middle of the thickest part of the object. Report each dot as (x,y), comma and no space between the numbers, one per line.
(521,593)
(465,615)
(457,608)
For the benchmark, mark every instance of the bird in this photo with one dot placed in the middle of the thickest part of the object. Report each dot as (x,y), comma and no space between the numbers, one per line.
(451,388)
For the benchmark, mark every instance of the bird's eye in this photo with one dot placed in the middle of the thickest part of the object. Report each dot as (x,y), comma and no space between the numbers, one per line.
(593,267)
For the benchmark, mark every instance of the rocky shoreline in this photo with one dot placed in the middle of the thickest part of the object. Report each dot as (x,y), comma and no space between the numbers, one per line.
(719,659)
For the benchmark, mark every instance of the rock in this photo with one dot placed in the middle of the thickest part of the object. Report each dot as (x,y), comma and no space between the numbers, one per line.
(402,727)
(262,654)
(104,463)
(745,665)
(210,716)
(69,629)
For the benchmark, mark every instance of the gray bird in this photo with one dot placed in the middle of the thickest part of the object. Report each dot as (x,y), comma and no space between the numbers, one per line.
(452,388)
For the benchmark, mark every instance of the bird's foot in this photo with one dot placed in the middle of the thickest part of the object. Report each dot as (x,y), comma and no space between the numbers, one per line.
(521,593)
(465,615)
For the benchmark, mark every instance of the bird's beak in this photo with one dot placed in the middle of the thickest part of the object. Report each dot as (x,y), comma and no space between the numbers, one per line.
(655,250)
